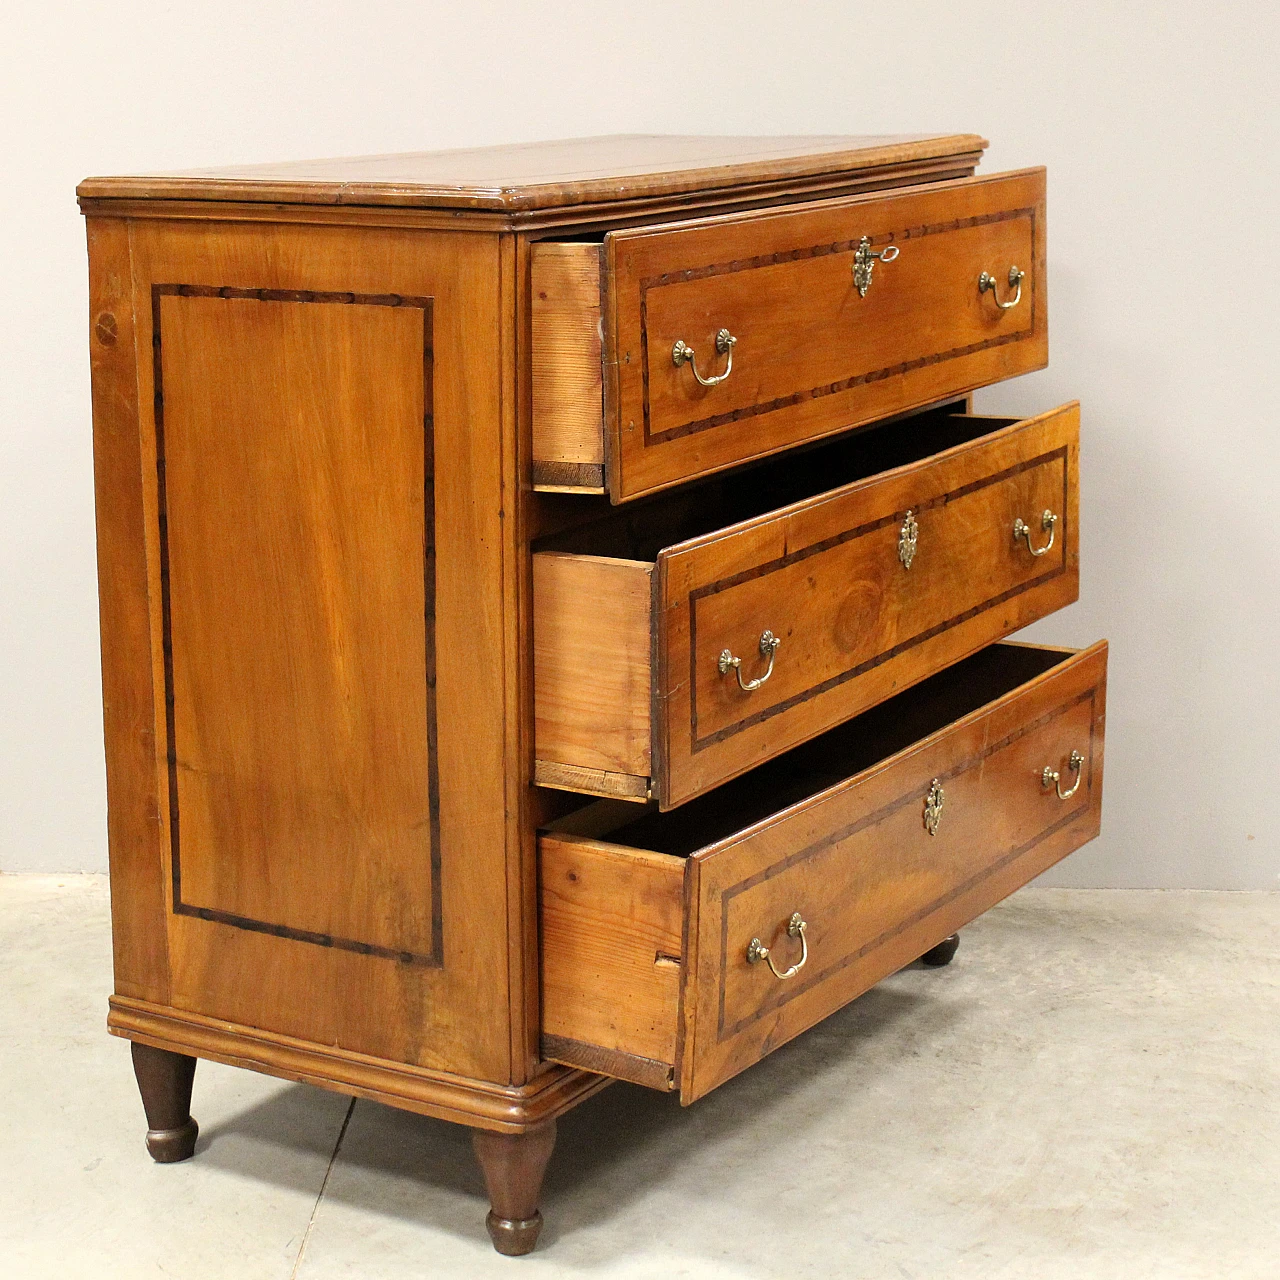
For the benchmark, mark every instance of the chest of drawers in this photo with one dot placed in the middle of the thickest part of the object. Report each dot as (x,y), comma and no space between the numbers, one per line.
(554,605)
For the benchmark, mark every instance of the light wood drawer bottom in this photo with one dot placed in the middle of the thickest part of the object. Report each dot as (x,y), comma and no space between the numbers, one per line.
(646,922)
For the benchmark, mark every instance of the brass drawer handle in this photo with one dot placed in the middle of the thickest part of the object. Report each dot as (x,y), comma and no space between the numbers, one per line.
(1050,777)
(757,951)
(768,648)
(682,353)
(987,281)
(864,261)
(1048,522)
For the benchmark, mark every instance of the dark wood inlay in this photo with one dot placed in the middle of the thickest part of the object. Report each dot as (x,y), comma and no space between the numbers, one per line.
(844,384)
(181,907)
(828,250)
(913,796)
(766,713)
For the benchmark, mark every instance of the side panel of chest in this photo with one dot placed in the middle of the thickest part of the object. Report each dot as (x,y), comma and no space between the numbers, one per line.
(319,622)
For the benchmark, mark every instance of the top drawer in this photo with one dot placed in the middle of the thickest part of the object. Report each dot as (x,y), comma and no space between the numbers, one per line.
(832,314)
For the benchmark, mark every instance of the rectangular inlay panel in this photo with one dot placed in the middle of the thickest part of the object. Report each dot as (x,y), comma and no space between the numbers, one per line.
(294,456)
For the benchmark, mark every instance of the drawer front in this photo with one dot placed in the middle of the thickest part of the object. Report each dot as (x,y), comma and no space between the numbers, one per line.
(875,887)
(812,353)
(866,590)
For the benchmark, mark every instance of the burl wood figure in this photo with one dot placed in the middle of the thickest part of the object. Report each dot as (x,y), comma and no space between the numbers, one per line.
(553,602)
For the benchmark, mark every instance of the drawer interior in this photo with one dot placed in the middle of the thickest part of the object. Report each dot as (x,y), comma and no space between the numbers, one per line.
(860,743)
(641,529)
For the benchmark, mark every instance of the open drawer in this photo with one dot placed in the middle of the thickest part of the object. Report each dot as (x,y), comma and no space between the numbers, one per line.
(884,836)
(682,641)
(663,353)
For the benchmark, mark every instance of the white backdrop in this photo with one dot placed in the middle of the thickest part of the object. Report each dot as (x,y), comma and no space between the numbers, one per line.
(1158,123)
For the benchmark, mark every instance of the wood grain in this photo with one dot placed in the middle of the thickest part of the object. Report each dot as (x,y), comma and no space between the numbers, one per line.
(299,614)
(596,782)
(876,889)
(812,356)
(567,379)
(568,477)
(856,626)
(456,1017)
(524,803)
(609,1062)
(611,922)
(139,899)
(316,458)
(538,175)
(593,644)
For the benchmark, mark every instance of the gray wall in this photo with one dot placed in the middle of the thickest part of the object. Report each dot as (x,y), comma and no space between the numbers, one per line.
(1158,124)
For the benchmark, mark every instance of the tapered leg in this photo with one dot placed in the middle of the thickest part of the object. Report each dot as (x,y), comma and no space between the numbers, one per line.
(164,1080)
(943,953)
(513,1165)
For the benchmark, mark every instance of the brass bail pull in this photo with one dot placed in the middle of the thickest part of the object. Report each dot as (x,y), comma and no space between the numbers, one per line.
(1048,522)
(986,281)
(757,951)
(864,261)
(1051,777)
(768,649)
(682,354)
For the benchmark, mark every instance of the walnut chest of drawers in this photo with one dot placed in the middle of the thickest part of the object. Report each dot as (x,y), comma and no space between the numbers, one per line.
(553,604)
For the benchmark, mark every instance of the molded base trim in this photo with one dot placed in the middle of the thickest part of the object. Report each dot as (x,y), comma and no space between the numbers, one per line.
(481,1104)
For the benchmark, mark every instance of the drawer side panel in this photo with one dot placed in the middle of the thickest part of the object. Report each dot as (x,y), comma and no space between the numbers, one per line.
(568,442)
(611,921)
(592,647)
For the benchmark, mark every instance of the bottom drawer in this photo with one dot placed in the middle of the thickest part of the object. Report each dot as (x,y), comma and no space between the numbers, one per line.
(884,836)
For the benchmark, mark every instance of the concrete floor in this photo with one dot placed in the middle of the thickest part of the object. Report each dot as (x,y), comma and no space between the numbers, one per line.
(1092,1090)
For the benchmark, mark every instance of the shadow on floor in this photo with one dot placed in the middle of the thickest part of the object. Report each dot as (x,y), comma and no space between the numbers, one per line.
(609,1151)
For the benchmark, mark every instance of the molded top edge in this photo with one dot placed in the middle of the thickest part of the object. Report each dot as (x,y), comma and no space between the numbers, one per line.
(544,175)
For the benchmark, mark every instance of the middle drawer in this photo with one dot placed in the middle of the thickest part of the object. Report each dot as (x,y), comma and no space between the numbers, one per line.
(681,642)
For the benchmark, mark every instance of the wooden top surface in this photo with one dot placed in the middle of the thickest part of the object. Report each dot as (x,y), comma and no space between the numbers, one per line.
(544,175)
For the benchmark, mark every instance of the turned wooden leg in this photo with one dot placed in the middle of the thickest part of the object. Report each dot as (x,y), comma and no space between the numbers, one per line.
(943,953)
(513,1165)
(164,1080)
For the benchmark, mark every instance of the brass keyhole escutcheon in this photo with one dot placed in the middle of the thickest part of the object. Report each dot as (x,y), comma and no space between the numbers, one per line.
(933,803)
(908,536)
(864,261)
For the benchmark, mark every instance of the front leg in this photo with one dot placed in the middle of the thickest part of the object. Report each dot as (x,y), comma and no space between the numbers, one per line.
(164,1080)
(513,1165)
